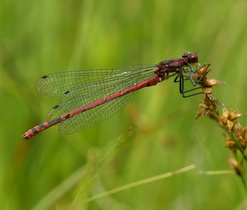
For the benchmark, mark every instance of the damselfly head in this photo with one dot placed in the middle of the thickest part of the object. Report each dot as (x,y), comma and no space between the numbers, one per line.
(191,57)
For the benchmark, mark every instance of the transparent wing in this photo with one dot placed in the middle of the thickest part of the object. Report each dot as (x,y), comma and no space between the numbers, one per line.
(93,116)
(91,91)
(56,84)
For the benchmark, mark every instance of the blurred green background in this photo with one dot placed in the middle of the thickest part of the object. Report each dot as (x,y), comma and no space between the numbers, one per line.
(52,171)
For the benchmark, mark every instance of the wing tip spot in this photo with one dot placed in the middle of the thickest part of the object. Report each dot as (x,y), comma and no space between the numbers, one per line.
(67,91)
(56,106)
(44,77)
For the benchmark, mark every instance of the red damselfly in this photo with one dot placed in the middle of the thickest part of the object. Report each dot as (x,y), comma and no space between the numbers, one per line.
(91,96)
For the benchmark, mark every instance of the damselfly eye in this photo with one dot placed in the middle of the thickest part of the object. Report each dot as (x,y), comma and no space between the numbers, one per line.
(193,58)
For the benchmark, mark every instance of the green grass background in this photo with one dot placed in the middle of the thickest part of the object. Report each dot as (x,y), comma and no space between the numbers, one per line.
(53,171)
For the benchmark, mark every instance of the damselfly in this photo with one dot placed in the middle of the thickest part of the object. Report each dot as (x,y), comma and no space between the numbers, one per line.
(91,96)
